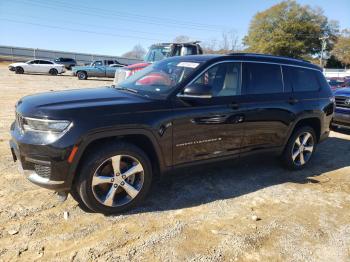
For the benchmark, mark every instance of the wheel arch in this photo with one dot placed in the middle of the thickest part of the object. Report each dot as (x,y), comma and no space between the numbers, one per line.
(82,70)
(313,121)
(141,138)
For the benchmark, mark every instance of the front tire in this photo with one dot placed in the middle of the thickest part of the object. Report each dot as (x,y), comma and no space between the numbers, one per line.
(19,70)
(53,72)
(300,148)
(82,75)
(114,178)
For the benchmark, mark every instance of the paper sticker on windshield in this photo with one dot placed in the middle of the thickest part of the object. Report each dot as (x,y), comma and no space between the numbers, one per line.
(188,64)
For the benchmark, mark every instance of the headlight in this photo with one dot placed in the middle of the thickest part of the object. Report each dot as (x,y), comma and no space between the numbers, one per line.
(45,125)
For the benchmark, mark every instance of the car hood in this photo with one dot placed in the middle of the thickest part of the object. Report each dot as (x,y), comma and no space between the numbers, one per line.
(137,66)
(17,64)
(342,92)
(59,104)
(77,68)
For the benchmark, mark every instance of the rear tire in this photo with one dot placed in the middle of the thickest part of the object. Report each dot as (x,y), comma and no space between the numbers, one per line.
(300,148)
(53,72)
(82,75)
(114,178)
(19,70)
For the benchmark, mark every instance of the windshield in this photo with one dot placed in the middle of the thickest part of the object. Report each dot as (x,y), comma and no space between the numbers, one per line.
(159,78)
(157,53)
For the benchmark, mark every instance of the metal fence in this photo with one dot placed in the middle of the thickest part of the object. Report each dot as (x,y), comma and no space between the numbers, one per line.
(11,53)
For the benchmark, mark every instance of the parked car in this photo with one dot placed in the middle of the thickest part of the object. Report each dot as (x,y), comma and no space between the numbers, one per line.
(67,62)
(346,82)
(156,53)
(99,68)
(37,66)
(341,117)
(335,83)
(106,145)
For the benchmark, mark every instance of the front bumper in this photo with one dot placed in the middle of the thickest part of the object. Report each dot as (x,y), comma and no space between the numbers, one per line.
(12,68)
(341,118)
(43,165)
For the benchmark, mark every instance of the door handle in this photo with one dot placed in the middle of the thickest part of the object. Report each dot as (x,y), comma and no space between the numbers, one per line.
(292,100)
(234,105)
(215,119)
(239,119)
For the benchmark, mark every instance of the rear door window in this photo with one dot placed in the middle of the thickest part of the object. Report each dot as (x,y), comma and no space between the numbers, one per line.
(262,78)
(43,62)
(300,79)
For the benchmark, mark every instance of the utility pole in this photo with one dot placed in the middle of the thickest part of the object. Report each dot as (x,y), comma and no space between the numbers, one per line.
(323,48)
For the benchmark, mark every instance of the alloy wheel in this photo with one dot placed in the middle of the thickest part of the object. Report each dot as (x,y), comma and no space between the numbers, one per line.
(118,180)
(303,148)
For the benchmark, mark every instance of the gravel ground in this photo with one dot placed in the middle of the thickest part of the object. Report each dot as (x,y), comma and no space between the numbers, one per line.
(245,210)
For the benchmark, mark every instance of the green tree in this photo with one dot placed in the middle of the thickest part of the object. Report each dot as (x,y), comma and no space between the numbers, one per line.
(290,29)
(333,62)
(342,48)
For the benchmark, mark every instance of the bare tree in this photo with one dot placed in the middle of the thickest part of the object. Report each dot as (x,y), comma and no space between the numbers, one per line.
(229,43)
(182,39)
(138,52)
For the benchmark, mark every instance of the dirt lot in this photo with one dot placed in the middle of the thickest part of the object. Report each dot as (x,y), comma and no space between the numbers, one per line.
(203,214)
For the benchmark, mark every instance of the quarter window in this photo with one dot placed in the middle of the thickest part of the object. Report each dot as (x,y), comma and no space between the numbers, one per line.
(224,79)
(261,78)
(300,79)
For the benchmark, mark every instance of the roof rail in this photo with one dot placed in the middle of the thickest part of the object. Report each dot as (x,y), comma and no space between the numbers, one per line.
(267,55)
(179,43)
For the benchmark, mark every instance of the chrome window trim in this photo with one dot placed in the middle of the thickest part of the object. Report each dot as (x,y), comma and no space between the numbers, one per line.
(246,61)
(209,67)
(282,78)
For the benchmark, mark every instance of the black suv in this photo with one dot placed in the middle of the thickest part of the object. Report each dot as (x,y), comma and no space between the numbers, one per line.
(106,145)
(67,62)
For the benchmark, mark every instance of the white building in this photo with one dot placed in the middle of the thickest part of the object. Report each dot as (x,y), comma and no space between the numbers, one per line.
(336,73)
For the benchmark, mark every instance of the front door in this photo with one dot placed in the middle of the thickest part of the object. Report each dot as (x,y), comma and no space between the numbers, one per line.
(210,127)
(99,69)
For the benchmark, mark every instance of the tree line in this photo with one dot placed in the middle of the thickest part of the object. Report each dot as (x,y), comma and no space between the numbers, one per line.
(285,29)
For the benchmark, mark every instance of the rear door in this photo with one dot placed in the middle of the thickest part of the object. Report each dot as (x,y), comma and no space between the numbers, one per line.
(45,66)
(269,106)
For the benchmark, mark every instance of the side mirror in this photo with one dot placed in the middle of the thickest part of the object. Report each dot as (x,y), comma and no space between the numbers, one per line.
(197,91)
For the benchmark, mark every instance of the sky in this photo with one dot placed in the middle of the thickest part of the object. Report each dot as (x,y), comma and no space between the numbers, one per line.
(113,27)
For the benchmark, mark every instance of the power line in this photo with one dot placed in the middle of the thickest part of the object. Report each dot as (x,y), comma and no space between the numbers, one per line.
(78,30)
(143,16)
(93,25)
(108,16)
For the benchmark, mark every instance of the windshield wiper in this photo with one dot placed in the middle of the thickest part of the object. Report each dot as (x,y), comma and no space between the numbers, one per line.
(125,89)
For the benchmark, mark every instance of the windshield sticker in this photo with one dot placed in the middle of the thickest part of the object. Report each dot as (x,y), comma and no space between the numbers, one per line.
(188,64)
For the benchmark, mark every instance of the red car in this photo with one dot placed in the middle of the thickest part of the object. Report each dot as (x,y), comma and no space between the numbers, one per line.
(155,53)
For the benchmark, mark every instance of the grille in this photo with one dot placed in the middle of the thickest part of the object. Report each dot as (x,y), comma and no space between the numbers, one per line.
(43,171)
(342,101)
(120,75)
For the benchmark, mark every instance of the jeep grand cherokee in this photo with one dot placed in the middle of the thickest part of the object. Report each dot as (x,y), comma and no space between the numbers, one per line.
(106,145)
